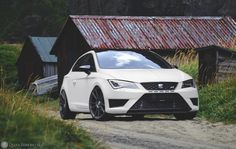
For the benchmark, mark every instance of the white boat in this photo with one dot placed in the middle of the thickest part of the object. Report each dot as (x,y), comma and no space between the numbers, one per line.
(43,86)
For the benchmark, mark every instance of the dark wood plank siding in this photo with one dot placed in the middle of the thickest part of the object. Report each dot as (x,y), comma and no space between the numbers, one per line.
(29,65)
(72,45)
(226,66)
(207,66)
(49,69)
(216,64)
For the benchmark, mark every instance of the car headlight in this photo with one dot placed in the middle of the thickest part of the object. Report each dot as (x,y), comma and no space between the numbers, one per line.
(116,84)
(188,83)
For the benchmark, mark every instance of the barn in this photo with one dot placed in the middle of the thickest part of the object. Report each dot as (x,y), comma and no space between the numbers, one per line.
(35,60)
(164,35)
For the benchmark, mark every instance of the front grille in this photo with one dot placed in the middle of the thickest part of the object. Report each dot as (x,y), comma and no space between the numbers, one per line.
(160,103)
(159,85)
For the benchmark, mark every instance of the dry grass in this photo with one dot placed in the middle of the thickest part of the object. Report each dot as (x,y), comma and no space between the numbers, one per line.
(183,58)
(187,62)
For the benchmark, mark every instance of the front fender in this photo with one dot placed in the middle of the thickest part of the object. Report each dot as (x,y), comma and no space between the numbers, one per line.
(65,86)
(104,85)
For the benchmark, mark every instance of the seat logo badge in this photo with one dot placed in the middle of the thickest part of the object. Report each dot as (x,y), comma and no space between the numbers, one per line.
(160,86)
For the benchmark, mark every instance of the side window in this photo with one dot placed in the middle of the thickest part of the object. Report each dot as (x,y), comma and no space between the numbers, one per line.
(85,60)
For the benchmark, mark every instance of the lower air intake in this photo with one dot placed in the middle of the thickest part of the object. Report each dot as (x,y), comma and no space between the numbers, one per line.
(117,102)
(160,103)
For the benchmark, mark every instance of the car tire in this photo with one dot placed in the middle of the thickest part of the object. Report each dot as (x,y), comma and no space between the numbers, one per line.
(97,105)
(65,112)
(185,116)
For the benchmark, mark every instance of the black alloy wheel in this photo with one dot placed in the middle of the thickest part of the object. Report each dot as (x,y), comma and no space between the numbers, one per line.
(97,105)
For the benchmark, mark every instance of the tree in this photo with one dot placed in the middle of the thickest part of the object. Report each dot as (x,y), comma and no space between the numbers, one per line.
(72,7)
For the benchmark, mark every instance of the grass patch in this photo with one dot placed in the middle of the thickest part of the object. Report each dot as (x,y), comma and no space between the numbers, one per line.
(191,69)
(20,123)
(45,102)
(8,56)
(218,101)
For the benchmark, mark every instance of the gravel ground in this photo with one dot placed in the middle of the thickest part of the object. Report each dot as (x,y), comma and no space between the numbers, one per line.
(123,132)
(160,132)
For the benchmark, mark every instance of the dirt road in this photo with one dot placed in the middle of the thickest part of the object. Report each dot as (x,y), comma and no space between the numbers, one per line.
(150,133)
(123,132)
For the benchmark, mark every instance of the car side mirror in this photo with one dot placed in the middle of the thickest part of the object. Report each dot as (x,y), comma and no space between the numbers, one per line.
(175,66)
(85,68)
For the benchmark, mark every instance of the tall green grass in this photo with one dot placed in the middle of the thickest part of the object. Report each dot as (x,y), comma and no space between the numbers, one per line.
(21,123)
(218,101)
(191,69)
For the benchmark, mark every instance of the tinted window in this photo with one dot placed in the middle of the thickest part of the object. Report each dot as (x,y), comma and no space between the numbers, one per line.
(85,60)
(130,60)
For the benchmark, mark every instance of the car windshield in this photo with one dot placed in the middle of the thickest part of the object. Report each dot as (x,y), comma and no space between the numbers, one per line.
(130,60)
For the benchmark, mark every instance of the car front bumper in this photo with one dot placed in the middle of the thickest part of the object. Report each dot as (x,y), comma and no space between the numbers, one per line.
(142,101)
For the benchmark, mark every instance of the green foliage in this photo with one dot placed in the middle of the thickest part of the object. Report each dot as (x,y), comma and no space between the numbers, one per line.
(21,123)
(218,101)
(20,18)
(8,57)
(191,69)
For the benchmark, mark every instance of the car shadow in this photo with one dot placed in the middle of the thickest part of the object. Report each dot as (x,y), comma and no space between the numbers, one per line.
(140,119)
(130,118)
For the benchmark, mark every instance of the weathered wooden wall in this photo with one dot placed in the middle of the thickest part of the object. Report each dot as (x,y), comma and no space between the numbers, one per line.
(71,46)
(49,69)
(206,67)
(216,64)
(29,65)
(226,67)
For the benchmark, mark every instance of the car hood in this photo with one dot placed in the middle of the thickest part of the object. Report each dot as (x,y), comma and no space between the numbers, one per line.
(147,75)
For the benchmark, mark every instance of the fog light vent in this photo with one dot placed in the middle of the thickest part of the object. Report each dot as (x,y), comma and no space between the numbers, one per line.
(194,101)
(117,102)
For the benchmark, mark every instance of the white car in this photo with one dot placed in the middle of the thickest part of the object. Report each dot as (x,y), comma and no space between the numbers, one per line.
(127,82)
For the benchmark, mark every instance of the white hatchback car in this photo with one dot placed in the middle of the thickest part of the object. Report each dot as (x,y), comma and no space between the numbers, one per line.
(127,82)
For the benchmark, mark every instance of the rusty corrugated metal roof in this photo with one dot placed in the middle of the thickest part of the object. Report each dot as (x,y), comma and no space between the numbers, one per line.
(118,32)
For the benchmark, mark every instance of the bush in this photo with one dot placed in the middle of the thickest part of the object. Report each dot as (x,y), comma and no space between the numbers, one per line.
(8,56)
